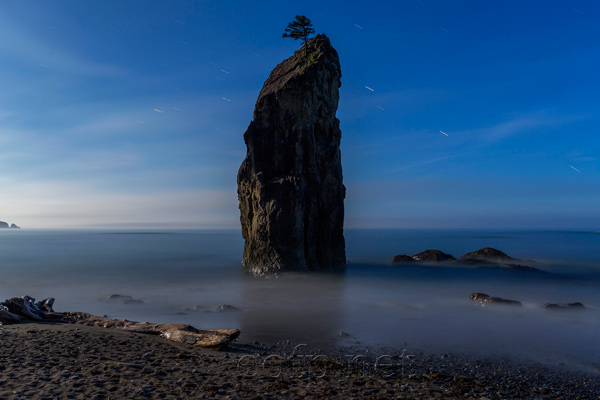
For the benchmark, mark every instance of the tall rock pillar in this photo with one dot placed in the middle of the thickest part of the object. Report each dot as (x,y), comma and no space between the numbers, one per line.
(290,186)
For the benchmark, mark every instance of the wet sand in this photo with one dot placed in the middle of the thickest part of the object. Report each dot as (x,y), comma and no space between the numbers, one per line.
(55,361)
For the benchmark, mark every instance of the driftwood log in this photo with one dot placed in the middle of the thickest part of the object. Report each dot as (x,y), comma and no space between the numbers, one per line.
(18,309)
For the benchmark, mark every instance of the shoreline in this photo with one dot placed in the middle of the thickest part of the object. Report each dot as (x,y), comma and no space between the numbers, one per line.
(49,360)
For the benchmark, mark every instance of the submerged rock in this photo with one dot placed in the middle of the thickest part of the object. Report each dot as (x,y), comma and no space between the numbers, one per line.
(290,189)
(565,307)
(485,299)
(117,298)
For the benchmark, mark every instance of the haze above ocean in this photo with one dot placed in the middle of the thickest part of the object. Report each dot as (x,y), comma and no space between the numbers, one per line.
(179,275)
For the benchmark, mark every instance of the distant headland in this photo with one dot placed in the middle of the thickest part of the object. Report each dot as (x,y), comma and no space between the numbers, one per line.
(5,225)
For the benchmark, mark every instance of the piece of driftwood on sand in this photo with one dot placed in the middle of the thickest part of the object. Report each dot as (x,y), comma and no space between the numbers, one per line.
(18,309)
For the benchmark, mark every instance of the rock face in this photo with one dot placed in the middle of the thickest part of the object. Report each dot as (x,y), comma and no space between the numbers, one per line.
(5,225)
(290,186)
(14,226)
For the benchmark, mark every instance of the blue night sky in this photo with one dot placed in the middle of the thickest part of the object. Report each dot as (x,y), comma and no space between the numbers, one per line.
(458,114)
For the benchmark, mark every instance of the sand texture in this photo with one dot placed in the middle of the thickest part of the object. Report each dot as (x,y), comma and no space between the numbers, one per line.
(64,361)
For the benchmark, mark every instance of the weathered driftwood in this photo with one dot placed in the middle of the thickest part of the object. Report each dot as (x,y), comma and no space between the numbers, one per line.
(17,309)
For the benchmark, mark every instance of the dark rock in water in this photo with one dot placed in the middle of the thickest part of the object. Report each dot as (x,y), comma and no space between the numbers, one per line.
(14,226)
(227,308)
(491,258)
(290,189)
(403,259)
(435,256)
(485,299)
(478,297)
(3,224)
(117,298)
(486,258)
(488,254)
(493,255)
(565,307)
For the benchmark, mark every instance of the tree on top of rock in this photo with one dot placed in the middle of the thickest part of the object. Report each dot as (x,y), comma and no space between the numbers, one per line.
(301,28)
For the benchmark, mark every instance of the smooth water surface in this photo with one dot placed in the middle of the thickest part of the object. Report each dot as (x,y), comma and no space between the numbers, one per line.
(182,275)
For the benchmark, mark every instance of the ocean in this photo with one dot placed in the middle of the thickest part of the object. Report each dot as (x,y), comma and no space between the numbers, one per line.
(183,276)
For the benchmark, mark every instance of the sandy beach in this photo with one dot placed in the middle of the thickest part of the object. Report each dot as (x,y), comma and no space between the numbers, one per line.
(63,361)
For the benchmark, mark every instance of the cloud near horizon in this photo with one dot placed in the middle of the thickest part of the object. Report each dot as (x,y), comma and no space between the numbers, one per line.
(60,205)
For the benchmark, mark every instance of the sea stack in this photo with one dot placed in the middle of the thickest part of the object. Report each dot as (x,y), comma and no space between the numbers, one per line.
(290,185)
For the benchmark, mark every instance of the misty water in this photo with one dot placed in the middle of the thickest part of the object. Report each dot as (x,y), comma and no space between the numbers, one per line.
(180,275)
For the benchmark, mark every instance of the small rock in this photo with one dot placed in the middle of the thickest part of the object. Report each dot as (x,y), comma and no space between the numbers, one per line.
(485,299)
(118,298)
(226,308)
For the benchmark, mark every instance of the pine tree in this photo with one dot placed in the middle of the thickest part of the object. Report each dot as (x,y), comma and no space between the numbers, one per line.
(301,28)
